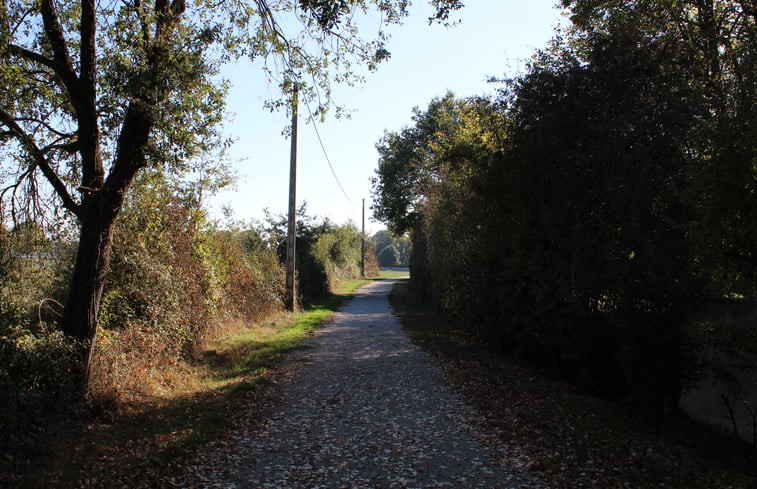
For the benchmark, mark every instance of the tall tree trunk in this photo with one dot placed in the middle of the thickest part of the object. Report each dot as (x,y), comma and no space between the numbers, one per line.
(103,196)
(80,319)
(100,208)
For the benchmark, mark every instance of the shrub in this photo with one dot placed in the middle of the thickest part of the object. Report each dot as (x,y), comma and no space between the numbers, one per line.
(37,375)
(175,280)
(326,253)
(338,252)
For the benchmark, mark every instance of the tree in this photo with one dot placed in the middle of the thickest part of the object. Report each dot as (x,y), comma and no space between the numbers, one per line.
(94,92)
(389,256)
(414,160)
(390,251)
(422,164)
(715,42)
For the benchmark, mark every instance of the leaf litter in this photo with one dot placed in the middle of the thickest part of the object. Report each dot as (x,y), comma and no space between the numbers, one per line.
(364,407)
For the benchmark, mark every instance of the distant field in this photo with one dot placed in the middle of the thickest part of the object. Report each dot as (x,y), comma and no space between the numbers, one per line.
(394,273)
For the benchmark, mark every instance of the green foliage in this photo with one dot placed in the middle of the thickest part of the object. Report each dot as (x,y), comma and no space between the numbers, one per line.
(327,254)
(713,48)
(391,251)
(174,277)
(339,252)
(312,282)
(414,160)
(36,374)
(574,218)
(157,280)
(36,362)
(29,269)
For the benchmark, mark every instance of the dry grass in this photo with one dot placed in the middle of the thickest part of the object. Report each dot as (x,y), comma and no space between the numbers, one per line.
(133,368)
(146,412)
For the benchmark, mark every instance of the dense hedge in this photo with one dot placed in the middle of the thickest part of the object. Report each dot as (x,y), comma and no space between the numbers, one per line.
(580,217)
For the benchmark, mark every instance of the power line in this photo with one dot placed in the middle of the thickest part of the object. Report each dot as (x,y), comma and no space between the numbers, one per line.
(323,148)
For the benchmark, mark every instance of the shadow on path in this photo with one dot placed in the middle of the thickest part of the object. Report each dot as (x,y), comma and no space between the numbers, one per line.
(368,409)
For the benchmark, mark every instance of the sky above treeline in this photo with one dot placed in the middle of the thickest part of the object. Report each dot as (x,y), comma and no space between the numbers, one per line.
(493,39)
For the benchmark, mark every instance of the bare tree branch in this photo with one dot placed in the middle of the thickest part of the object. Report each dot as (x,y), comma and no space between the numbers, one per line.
(47,126)
(68,145)
(35,57)
(39,160)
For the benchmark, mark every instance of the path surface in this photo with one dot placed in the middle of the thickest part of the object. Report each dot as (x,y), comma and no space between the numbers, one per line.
(367,409)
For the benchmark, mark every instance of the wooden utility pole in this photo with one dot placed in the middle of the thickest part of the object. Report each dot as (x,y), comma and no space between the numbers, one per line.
(362,246)
(291,288)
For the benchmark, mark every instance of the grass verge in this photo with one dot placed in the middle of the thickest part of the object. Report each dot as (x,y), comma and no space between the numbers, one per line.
(387,273)
(208,396)
(572,440)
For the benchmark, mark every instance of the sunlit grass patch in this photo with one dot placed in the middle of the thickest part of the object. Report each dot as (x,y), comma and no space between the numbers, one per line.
(389,273)
(346,289)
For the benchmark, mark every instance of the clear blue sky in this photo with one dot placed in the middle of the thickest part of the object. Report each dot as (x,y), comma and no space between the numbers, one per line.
(494,39)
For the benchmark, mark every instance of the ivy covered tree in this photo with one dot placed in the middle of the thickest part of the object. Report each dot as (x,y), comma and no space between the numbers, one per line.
(94,92)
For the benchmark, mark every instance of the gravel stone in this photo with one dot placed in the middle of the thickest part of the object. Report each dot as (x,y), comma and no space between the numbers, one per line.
(368,409)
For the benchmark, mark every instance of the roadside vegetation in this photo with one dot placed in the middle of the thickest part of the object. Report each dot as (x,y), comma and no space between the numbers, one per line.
(597,215)
(172,408)
(391,251)
(192,318)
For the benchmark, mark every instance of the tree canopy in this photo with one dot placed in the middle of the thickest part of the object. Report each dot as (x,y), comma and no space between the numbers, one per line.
(579,216)
(97,91)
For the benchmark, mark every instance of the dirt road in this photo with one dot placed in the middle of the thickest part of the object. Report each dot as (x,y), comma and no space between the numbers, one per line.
(367,409)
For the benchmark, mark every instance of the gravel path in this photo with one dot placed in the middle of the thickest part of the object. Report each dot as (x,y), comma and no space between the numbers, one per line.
(367,409)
